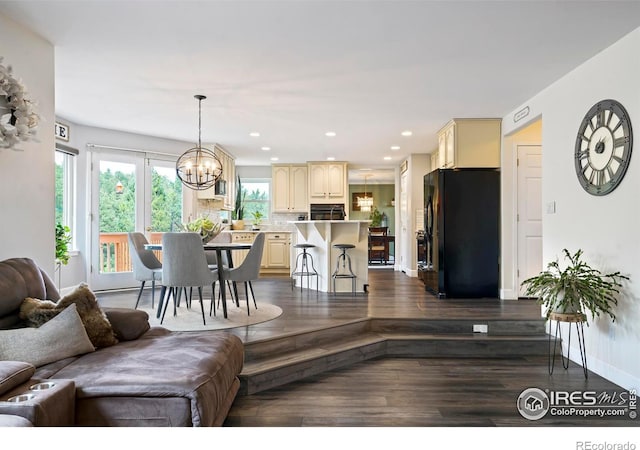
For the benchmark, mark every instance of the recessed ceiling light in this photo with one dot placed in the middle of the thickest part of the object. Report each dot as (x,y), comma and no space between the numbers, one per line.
(331,158)
(274,158)
(395,147)
(407,133)
(266,149)
(330,133)
(254,134)
(387,158)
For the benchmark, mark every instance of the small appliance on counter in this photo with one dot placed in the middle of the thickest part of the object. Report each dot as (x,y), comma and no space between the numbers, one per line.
(327,211)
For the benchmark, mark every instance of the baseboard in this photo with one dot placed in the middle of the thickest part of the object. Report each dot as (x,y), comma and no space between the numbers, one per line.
(508,294)
(605,370)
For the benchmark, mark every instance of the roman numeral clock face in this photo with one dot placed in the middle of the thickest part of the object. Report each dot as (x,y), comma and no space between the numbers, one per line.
(603,147)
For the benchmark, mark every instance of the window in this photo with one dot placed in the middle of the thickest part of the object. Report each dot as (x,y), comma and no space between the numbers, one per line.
(64,185)
(256,197)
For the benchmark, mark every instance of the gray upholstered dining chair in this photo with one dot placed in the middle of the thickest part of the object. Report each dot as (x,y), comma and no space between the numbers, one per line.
(184,264)
(146,266)
(249,270)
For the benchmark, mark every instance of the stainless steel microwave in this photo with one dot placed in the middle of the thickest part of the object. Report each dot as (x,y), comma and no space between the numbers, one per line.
(220,187)
(327,211)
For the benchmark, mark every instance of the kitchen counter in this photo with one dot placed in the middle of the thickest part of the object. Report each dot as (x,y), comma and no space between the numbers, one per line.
(324,234)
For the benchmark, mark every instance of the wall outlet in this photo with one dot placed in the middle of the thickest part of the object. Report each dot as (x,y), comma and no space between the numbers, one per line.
(480,328)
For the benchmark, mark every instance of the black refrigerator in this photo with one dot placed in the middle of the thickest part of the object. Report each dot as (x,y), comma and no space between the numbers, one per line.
(462,232)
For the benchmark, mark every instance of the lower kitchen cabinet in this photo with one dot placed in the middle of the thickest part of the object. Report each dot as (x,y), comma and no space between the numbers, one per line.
(275,255)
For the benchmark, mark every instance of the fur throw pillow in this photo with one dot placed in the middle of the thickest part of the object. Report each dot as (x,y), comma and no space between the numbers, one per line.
(36,312)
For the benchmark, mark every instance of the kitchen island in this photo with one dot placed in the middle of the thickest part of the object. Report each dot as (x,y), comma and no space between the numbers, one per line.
(324,234)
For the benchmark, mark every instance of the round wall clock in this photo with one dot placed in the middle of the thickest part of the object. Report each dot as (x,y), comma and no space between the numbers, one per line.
(603,147)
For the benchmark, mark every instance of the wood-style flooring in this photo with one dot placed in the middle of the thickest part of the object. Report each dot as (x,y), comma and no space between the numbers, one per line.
(395,391)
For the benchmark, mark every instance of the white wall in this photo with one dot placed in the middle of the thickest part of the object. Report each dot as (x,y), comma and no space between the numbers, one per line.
(607,228)
(27,227)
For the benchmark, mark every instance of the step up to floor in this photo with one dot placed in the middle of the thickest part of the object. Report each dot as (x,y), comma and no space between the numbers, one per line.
(297,341)
(314,352)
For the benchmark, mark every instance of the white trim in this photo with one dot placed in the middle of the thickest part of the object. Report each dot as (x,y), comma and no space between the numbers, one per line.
(508,294)
(605,370)
(125,149)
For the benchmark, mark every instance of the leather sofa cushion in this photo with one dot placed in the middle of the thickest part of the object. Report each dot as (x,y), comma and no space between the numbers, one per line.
(200,367)
(14,373)
(21,278)
(9,420)
(128,324)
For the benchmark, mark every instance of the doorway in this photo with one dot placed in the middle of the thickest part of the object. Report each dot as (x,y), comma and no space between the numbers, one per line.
(529,212)
(130,191)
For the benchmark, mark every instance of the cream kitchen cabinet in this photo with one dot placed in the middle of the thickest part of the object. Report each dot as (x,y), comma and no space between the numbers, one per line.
(469,143)
(229,175)
(238,256)
(328,182)
(290,188)
(276,252)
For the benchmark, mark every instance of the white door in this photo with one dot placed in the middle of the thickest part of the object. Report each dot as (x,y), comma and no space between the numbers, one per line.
(405,250)
(129,192)
(529,218)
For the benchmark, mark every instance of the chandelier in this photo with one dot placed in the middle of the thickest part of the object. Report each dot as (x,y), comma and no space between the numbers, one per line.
(365,202)
(199,168)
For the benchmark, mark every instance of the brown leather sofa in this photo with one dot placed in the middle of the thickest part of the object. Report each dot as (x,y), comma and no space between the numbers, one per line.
(152,377)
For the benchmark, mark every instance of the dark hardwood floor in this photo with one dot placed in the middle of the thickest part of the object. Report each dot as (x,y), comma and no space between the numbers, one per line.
(393,391)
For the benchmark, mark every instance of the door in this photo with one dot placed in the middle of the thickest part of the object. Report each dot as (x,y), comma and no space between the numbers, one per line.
(281,189)
(335,180)
(317,180)
(405,239)
(299,200)
(129,192)
(529,218)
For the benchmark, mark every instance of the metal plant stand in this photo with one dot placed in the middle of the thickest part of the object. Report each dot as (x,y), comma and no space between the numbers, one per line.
(578,320)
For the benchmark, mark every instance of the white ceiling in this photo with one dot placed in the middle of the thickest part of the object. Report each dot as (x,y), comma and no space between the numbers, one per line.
(295,70)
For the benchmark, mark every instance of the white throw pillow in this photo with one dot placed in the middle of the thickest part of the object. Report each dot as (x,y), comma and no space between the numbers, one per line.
(61,337)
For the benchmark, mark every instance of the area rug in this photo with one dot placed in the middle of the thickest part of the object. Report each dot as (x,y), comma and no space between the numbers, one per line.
(191,319)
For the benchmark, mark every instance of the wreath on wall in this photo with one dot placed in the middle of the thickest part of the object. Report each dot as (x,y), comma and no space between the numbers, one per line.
(18,116)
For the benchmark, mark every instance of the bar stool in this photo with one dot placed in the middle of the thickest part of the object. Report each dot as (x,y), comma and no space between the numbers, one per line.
(344,257)
(304,258)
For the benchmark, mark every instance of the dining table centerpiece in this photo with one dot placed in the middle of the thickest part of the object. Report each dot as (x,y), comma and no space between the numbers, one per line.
(205,227)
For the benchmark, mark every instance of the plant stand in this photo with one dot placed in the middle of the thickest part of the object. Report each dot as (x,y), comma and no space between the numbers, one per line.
(578,320)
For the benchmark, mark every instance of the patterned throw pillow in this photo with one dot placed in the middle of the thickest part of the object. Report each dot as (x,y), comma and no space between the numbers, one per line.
(36,312)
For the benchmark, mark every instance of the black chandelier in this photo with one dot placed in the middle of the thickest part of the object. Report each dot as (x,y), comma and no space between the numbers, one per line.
(199,168)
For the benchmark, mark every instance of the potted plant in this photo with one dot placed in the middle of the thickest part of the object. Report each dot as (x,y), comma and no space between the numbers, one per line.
(257,219)
(576,289)
(237,214)
(375,217)
(63,240)
(206,228)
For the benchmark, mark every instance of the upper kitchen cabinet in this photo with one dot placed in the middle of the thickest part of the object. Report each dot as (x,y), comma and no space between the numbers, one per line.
(469,143)
(328,182)
(290,188)
(226,194)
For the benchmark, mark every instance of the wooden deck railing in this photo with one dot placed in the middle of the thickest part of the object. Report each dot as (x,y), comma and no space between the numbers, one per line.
(115,255)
